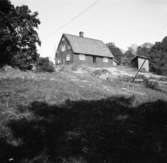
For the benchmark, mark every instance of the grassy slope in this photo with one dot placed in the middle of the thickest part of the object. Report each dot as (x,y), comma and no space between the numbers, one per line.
(20,88)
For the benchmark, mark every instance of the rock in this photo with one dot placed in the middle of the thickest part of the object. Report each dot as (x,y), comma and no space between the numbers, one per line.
(7,68)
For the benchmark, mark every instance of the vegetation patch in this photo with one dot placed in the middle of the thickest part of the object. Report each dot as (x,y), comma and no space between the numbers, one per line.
(107,130)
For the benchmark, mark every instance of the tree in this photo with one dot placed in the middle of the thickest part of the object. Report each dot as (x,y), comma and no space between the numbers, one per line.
(6,32)
(144,49)
(158,57)
(18,35)
(118,54)
(5,6)
(128,55)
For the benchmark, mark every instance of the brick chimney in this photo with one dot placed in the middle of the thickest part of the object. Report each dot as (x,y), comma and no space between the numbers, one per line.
(81,34)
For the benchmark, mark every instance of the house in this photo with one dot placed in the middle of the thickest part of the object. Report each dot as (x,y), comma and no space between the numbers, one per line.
(141,62)
(74,49)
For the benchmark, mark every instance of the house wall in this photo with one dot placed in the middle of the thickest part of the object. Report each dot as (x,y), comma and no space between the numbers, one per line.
(88,59)
(145,66)
(101,63)
(64,54)
(63,58)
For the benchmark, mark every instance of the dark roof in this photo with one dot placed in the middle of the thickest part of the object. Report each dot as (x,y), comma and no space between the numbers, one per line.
(138,56)
(89,46)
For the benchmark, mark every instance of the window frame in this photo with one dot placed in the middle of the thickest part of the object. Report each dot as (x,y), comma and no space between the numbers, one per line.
(82,57)
(105,60)
(63,48)
(68,57)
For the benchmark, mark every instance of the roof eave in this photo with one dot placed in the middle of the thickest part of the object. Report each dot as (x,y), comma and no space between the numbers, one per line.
(94,55)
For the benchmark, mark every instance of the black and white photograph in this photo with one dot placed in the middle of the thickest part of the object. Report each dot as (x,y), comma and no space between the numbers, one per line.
(83,81)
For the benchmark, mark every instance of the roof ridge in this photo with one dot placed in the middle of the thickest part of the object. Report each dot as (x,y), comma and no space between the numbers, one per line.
(83,37)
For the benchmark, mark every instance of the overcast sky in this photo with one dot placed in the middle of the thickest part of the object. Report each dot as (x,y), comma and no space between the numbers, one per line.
(123,22)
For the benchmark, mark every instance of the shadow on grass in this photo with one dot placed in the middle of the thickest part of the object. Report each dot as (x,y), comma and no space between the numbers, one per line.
(108,130)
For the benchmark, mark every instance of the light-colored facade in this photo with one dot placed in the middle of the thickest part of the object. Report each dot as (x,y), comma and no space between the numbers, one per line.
(141,62)
(144,63)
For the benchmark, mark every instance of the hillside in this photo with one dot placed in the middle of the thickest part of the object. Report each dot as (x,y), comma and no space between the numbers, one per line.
(89,83)
(82,115)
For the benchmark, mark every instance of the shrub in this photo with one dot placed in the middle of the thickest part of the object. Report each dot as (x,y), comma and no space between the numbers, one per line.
(45,65)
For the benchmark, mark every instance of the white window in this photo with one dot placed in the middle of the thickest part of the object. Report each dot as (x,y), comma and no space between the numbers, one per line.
(58,61)
(68,57)
(63,48)
(105,60)
(82,57)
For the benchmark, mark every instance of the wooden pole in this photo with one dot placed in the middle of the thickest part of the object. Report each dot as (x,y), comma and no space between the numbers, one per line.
(139,70)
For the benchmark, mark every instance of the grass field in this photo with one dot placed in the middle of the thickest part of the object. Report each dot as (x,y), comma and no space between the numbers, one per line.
(75,115)
(22,88)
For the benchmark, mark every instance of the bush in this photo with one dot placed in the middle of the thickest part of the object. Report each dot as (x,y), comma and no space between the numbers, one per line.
(45,65)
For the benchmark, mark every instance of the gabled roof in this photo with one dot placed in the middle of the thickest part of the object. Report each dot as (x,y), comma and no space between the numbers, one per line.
(139,56)
(89,46)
